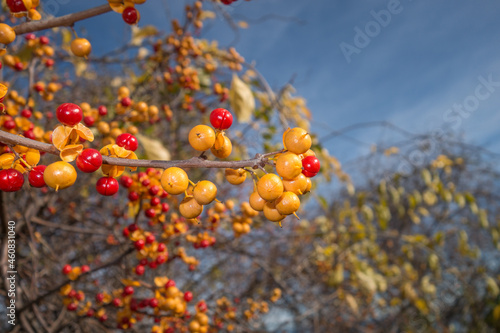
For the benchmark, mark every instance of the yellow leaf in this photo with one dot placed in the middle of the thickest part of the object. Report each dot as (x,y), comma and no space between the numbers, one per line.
(138,34)
(241,100)
(155,150)
(351,301)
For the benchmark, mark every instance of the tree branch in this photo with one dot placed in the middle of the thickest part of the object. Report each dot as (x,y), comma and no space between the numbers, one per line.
(259,161)
(63,21)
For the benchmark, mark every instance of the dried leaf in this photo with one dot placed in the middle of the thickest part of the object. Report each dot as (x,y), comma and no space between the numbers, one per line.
(241,100)
(155,150)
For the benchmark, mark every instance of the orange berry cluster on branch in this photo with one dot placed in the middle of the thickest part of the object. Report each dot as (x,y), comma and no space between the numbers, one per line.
(127,8)
(24,8)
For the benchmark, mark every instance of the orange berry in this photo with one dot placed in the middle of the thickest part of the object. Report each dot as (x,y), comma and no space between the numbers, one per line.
(288,203)
(256,202)
(81,47)
(7,34)
(288,165)
(190,208)
(270,187)
(235,177)
(174,180)
(59,175)
(248,210)
(297,185)
(201,137)
(271,213)
(309,185)
(297,140)
(205,192)
(194,327)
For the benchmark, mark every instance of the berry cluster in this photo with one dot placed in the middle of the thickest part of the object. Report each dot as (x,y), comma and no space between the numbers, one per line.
(129,13)
(24,8)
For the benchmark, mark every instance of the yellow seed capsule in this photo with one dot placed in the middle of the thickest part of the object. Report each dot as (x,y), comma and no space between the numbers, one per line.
(7,34)
(174,180)
(201,137)
(288,165)
(297,185)
(205,192)
(288,203)
(81,47)
(271,213)
(270,187)
(256,202)
(235,177)
(189,208)
(297,140)
(59,175)
(309,185)
(222,147)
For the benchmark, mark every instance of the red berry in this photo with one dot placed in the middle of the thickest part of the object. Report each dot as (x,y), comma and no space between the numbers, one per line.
(11,180)
(72,307)
(125,232)
(143,262)
(133,196)
(16,6)
(161,259)
(133,227)
(102,110)
(139,269)
(146,182)
(49,63)
(150,238)
(26,113)
(165,207)
(150,212)
(117,302)
(126,101)
(35,177)
(155,201)
(38,87)
(103,318)
(153,190)
(221,119)
(153,264)
(69,114)
(139,244)
(170,283)
(90,313)
(18,66)
(153,302)
(80,296)
(128,290)
(308,174)
(311,164)
(126,181)
(66,269)
(44,40)
(85,268)
(202,306)
(29,134)
(89,160)
(9,124)
(127,141)
(89,120)
(161,247)
(130,15)
(99,297)
(188,296)
(226,2)
(107,186)
(30,37)
(72,293)
(204,243)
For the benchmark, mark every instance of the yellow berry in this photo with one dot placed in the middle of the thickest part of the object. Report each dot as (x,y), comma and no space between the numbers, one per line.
(248,210)
(81,47)
(235,177)
(59,175)
(309,185)
(288,165)
(270,187)
(288,203)
(297,185)
(189,208)
(7,34)
(194,327)
(256,202)
(297,140)
(271,213)
(201,137)
(205,192)
(174,180)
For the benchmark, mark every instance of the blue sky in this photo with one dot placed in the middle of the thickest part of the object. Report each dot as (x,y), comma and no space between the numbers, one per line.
(428,57)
